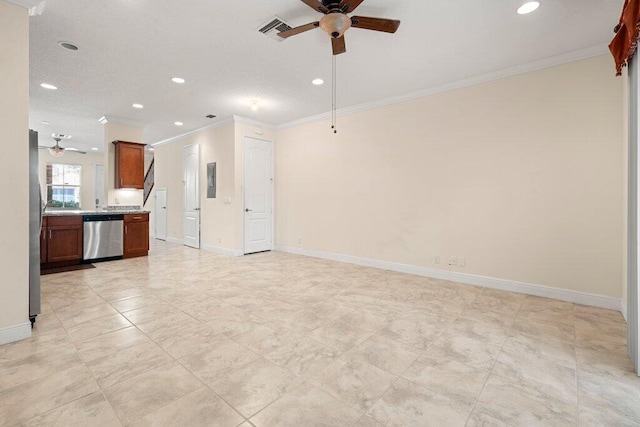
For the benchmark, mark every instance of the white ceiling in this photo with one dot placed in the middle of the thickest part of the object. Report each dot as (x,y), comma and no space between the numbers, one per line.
(130,49)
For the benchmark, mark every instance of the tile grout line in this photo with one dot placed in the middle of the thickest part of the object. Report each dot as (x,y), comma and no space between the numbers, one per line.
(495,362)
(88,370)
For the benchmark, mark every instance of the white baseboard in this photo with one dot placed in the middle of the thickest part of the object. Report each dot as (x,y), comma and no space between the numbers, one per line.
(15,333)
(623,309)
(576,297)
(217,249)
(210,248)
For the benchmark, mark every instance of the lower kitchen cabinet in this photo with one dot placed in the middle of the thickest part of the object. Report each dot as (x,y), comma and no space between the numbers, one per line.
(62,239)
(136,235)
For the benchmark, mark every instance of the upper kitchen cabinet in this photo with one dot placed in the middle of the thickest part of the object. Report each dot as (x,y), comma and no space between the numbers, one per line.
(129,164)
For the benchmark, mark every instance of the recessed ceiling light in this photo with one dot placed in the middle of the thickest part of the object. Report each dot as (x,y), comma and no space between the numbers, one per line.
(103,120)
(178,80)
(61,136)
(178,123)
(151,149)
(254,105)
(48,86)
(318,82)
(44,122)
(528,7)
(68,45)
(94,149)
(139,106)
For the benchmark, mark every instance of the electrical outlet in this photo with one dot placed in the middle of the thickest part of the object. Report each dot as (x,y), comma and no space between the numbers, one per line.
(436,259)
(117,201)
(453,261)
(299,240)
(227,200)
(219,240)
(461,262)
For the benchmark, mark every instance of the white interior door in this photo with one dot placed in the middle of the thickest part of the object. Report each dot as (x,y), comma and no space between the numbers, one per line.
(161,214)
(258,195)
(191,222)
(99,189)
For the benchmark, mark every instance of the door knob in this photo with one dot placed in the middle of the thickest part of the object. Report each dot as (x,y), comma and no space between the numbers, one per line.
(248,210)
(196,209)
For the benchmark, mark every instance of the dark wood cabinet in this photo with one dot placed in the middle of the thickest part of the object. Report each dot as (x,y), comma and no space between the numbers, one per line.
(129,165)
(136,235)
(62,239)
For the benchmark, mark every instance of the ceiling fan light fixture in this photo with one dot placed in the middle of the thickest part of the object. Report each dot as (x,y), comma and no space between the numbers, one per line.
(56,151)
(528,7)
(335,24)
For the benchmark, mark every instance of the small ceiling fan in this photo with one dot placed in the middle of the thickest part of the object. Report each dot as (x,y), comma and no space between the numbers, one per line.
(58,151)
(335,22)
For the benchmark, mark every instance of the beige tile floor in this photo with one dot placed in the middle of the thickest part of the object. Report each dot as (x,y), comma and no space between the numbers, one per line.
(189,338)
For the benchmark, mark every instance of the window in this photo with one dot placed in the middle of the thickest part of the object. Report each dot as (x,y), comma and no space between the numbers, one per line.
(63,185)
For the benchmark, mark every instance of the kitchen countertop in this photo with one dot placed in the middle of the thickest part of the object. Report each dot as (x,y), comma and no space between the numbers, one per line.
(53,212)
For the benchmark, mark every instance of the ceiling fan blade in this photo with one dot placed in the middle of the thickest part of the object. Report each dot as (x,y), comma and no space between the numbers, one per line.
(316,5)
(339,45)
(42,147)
(75,150)
(298,30)
(350,5)
(375,24)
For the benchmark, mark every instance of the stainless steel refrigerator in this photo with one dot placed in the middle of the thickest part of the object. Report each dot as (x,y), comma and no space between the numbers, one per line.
(35,224)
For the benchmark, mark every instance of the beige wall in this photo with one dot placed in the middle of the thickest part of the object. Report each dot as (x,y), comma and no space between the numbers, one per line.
(217,218)
(87,161)
(521,177)
(14,168)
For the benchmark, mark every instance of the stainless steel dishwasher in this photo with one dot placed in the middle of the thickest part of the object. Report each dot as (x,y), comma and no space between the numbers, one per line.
(103,235)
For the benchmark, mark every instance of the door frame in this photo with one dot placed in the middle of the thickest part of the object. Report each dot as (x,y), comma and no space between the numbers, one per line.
(184,195)
(155,220)
(244,188)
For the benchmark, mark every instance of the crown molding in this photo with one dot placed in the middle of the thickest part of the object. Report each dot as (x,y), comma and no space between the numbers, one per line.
(549,62)
(28,4)
(182,135)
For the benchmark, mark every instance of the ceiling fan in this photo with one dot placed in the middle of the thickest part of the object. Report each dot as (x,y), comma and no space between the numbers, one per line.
(335,22)
(58,151)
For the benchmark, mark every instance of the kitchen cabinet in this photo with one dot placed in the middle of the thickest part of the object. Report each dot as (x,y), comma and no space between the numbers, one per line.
(62,239)
(136,235)
(129,165)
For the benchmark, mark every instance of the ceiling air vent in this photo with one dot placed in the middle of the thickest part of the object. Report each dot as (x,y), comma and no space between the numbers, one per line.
(273,27)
